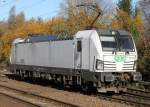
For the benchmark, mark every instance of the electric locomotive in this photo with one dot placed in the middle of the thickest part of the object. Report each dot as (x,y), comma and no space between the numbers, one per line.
(101,59)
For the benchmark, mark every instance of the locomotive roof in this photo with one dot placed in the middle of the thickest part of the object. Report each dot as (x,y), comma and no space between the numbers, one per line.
(43,39)
(110,32)
(46,38)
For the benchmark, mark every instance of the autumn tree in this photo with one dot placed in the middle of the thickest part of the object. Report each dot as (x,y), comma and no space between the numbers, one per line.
(12,18)
(20,19)
(126,6)
(72,20)
(129,18)
(3,27)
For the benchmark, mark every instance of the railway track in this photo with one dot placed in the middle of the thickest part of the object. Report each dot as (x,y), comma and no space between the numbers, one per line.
(141,93)
(2,75)
(33,98)
(3,72)
(132,97)
(13,98)
(128,100)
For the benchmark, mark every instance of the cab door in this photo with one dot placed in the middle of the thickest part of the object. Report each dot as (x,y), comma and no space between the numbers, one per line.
(78,54)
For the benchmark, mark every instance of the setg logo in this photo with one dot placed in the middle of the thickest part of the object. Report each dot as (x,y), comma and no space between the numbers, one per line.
(120,58)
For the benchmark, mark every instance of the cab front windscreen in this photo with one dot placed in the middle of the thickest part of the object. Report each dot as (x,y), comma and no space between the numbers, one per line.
(113,43)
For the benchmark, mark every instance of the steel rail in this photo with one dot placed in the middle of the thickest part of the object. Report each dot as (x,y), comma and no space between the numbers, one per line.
(136,90)
(40,96)
(19,99)
(127,101)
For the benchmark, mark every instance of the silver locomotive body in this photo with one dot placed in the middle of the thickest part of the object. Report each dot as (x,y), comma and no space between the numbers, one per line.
(101,59)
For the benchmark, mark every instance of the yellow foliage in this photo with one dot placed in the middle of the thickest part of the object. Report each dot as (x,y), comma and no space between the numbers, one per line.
(30,27)
(64,26)
(123,20)
(130,23)
(138,22)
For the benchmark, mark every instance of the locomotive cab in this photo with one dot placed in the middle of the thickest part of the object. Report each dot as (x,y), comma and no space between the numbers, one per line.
(111,59)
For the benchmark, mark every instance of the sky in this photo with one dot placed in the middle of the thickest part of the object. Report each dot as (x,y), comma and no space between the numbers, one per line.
(33,8)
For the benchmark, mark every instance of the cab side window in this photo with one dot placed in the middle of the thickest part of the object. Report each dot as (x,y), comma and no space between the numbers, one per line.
(79,46)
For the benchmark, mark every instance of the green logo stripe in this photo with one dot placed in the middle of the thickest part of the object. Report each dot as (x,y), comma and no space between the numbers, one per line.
(120,58)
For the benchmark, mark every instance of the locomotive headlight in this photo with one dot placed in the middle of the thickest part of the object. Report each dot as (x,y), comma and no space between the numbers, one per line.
(99,65)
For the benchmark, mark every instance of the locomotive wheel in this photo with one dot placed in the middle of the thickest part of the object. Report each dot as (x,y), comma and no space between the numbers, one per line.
(87,87)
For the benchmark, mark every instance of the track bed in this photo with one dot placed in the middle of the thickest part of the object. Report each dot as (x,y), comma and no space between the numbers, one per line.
(68,96)
(7,101)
